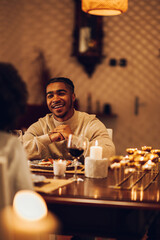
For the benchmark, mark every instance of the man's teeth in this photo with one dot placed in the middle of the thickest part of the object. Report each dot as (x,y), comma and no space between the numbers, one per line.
(57,106)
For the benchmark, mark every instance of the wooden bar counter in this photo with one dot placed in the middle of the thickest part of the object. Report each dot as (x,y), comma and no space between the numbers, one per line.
(94,208)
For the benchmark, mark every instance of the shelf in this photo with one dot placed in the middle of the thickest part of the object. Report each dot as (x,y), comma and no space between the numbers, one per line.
(103,115)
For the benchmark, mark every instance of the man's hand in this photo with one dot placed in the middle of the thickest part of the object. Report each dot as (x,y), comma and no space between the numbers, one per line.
(55,137)
(60,133)
(64,130)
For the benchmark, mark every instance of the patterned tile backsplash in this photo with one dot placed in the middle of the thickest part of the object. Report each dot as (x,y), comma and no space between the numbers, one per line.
(37,35)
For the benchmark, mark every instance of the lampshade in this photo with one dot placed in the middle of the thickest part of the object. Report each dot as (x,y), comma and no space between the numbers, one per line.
(104,7)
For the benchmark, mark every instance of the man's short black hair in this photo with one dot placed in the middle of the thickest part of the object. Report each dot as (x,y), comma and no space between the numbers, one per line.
(66,81)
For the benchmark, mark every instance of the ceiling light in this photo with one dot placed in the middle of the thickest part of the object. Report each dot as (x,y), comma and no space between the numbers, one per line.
(104,7)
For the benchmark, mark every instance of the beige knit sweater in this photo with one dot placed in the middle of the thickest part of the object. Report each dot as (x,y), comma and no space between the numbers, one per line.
(38,145)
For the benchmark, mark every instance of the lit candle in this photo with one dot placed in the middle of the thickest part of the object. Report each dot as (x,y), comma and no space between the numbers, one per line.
(96,151)
(28,218)
(59,167)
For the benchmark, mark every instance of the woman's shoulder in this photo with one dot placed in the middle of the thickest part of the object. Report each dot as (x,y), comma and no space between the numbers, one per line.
(8,143)
(7,137)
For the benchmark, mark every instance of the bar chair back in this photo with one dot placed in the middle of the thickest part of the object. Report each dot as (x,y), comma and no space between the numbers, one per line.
(110,132)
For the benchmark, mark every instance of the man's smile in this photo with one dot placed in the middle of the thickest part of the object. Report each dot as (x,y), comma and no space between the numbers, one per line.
(57,106)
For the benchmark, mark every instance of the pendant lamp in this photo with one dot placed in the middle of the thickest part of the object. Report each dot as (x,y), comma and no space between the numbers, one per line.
(105,7)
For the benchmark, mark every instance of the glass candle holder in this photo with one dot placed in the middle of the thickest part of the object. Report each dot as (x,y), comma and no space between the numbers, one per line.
(59,167)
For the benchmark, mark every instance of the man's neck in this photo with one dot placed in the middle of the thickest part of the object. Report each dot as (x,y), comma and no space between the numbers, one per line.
(65,118)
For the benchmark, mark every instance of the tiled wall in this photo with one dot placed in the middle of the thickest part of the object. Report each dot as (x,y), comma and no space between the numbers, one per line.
(37,34)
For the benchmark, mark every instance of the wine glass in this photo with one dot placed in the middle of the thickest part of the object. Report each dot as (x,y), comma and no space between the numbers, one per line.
(77,145)
(18,133)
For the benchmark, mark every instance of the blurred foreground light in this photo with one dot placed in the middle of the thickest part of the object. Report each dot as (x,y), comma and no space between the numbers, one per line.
(104,7)
(29,205)
(28,218)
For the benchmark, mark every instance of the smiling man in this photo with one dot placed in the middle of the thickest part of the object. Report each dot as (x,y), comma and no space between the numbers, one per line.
(48,136)
(60,99)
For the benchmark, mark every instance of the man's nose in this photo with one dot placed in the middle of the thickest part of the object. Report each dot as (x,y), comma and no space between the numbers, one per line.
(56,98)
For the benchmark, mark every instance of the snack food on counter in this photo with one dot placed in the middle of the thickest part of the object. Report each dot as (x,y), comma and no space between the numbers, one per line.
(117,159)
(140,152)
(136,158)
(152,157)
(131,150)
(140,159)
(156,151)
(146,148)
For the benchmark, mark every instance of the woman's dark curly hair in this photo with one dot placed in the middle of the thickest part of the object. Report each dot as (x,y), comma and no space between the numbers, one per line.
(13,96)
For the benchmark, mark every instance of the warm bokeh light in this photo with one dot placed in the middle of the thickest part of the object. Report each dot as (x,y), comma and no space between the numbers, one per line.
(29,205)
(104,12)
(134,194)
(104,7)
(141,195)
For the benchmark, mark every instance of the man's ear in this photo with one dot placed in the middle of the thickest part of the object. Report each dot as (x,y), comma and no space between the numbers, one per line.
(73,97)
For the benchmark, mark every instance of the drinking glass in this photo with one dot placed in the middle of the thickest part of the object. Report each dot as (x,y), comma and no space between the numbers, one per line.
(77,146)
(18,133)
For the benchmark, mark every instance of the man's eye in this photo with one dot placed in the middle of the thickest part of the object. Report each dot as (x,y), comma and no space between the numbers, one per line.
(49,95)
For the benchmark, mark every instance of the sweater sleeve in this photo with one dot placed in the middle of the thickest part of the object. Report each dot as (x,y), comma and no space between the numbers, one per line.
(36,140)
(96,130)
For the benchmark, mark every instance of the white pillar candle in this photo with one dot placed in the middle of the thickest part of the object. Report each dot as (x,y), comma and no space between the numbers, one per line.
(59,167)
(96,168)
(96,151)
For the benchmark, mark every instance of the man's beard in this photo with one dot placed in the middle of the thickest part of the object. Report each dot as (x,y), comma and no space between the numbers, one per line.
(65,113)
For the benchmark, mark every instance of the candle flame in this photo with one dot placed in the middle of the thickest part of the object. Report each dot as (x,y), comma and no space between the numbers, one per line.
(96,143)
(29,205)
